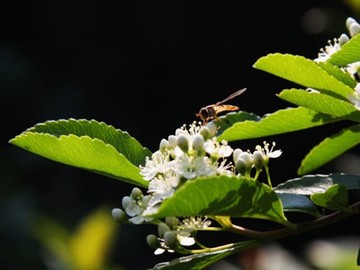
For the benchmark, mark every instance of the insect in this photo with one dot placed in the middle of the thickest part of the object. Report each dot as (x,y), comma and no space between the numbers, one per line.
(210,112)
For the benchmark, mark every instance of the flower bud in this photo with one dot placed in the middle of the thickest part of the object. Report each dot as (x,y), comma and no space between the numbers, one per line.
(153,241)
(240,166)
(258,159)
(198,142)
(146,199)
(170,239)
(205,132)
(136,193)
(172,141)
(236,154)
(212,127)
(126,201)
(247,158)
(163,145)
(343,39)
(244,163)
(119,215)
(354,29)
(183,143)
(162,229)
(349,22)
(171,221)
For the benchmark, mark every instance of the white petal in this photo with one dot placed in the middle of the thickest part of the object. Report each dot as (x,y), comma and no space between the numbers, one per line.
(186,241)
(159,251)
(275,154)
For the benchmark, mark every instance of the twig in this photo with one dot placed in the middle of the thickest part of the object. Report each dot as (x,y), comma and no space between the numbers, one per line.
(301,227)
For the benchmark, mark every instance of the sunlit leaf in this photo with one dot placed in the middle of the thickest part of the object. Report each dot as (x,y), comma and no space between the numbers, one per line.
(120,140)
(338,73)
(349,53)
(330,148)
(321,103)
(303,71)
(334,198)
(224,196)
(282,121)
(82,152)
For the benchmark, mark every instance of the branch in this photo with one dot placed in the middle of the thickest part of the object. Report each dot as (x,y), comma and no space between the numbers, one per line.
(301,227)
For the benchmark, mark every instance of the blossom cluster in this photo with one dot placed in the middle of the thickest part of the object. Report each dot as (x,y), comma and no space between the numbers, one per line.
(353,69)
(190,153)
(193,151)
(173,234)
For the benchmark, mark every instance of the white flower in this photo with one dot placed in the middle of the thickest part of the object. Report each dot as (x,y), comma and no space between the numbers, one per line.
(187,226)
(353,69)
(135,209)
(185,239)
(225,168)
(190,167)
(330,49)
(163,247)
(194,223)
(192,152)
(162,187)
(268,152)
(217,150)
(154,166)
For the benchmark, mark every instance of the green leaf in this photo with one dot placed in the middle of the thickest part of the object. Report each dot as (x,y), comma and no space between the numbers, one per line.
(318,183)
(120,140)
(298,203)
(224,196)
(87,144)
(330,148)
(226,121)
(321,103)
(82,152)
(349,53)
(282,121)
(334,198)
(303,71)
(338,73)
(202,260)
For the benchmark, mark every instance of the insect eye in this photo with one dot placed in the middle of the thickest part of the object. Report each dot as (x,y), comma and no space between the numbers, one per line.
(204,112)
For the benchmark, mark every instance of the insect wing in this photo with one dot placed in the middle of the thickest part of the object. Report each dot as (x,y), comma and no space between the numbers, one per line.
(235,94)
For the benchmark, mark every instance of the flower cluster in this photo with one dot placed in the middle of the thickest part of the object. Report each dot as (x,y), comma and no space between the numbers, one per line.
(188,154)
(174,234)
(192,152)
(353,69)
(134,205)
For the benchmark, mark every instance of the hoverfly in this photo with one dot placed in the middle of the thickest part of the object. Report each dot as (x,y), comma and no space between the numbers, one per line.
(210,112)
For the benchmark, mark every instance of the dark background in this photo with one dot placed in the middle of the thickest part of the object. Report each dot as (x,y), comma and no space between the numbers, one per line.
(145,67)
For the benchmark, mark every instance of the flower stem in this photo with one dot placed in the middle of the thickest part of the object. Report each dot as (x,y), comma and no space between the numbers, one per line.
(236,247)
(268,175)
